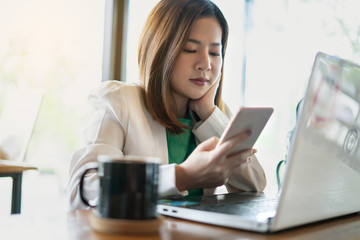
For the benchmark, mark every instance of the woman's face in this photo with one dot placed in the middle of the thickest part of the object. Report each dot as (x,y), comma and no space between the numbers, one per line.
(199,64)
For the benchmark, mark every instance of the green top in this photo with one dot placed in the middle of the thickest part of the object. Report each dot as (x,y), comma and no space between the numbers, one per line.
(180,146)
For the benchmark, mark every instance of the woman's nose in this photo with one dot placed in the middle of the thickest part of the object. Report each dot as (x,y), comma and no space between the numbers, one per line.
(204,62)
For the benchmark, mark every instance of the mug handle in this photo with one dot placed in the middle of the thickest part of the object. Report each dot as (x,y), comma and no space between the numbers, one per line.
(81,187)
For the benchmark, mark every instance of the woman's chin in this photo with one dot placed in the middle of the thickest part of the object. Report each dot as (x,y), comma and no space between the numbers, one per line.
(196,96)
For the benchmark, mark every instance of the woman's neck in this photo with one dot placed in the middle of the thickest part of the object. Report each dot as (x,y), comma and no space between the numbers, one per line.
(181,106)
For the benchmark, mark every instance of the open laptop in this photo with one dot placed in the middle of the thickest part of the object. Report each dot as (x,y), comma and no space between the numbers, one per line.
(17,122)
(322,177)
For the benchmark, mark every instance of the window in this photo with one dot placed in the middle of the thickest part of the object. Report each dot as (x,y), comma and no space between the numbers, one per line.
(138,12)
(55,46)
(281,48)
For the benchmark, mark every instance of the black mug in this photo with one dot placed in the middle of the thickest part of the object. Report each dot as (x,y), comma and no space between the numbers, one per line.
(128,187)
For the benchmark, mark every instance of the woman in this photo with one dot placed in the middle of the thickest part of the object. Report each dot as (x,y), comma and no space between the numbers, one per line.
(176,113)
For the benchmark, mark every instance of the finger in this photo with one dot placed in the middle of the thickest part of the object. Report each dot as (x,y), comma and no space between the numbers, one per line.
(240,158)
(233,142)
(245,156)
(216,84)
(207,145)
(218,79)
(241,136)
(249,159)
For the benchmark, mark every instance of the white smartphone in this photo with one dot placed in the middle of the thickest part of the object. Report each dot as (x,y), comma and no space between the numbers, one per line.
(247,118)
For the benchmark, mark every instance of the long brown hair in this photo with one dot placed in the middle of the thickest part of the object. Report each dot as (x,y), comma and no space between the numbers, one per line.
(166,30)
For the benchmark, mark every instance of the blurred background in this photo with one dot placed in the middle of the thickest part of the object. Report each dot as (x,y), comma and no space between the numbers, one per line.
(58,47)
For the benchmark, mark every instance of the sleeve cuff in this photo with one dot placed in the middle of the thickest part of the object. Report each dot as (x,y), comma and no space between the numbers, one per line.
(167,182)
(213,126)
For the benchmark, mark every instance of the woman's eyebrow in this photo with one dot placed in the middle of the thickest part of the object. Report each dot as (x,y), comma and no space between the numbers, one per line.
(198,42)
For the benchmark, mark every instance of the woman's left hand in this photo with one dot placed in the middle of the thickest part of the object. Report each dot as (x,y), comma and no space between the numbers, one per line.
(205,105)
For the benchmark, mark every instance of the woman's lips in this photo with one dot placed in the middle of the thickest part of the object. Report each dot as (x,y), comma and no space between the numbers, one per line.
(199,81)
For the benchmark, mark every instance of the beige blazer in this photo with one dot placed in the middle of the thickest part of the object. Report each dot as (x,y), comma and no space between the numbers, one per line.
(119,124)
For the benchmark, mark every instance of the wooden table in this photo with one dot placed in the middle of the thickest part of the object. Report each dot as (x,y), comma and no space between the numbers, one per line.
(14,170)
(76,226)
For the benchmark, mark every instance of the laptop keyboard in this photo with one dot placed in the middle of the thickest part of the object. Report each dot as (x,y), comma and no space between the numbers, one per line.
(242,208)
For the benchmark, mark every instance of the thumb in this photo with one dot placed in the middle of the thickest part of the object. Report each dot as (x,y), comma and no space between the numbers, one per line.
(208,145)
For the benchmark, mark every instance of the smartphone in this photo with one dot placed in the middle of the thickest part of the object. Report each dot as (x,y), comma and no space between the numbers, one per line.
(247,118)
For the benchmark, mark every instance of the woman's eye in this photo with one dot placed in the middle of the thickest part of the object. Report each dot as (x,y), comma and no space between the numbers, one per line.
(189,51)
(215,54)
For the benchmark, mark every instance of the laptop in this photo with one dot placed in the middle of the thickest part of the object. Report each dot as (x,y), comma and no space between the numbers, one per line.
(322,175)
(17,122)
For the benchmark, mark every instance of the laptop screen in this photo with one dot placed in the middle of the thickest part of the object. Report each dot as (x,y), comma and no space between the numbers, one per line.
(333,105)
(322,176)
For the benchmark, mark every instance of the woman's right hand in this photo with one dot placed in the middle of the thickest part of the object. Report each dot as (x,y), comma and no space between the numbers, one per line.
(208,166)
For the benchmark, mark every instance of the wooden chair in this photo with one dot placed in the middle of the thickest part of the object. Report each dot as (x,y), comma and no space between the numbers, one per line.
(17,122)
